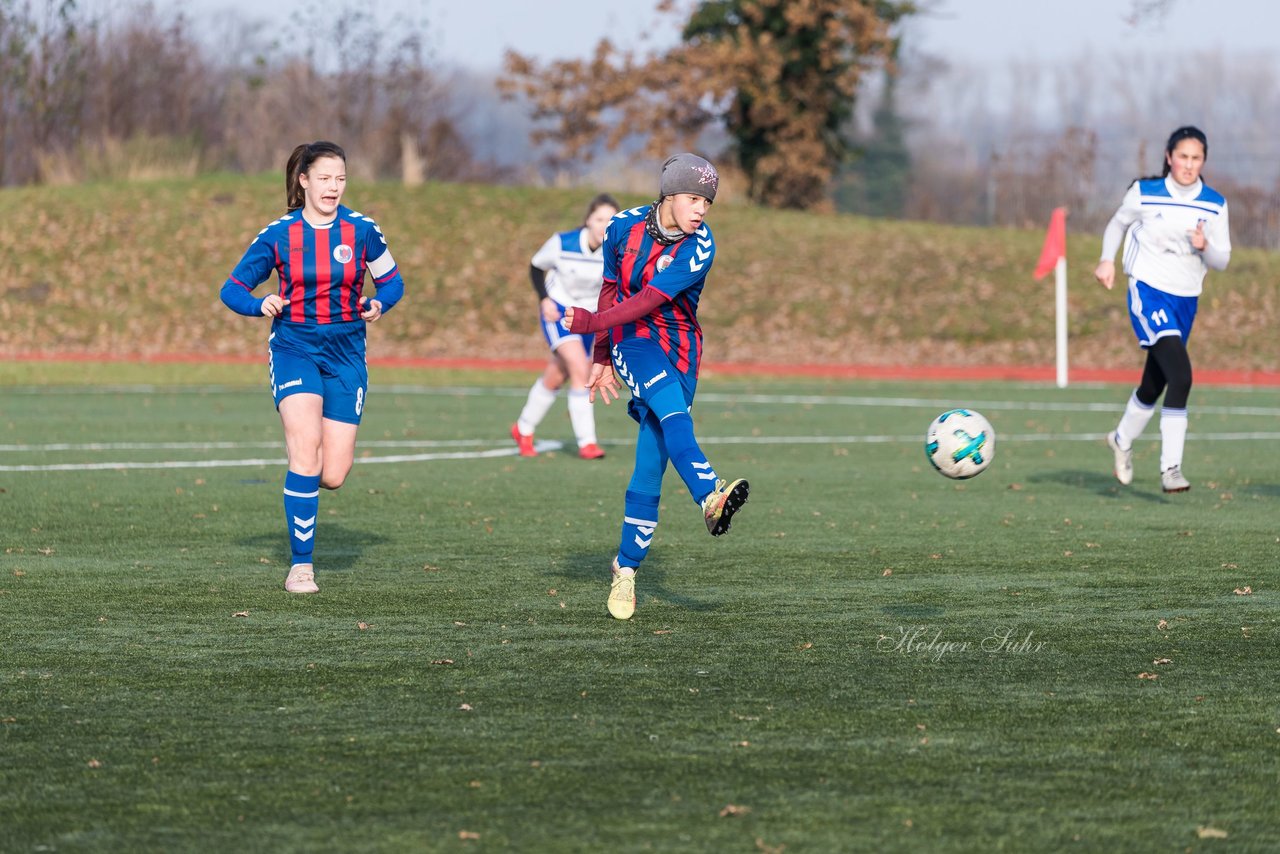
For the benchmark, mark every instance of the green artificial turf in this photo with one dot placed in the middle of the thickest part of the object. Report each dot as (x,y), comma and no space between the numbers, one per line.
(874,659)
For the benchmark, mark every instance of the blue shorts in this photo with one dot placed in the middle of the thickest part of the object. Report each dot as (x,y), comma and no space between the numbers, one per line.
(645,368)
(1156,314)
(557,335)
(326,359)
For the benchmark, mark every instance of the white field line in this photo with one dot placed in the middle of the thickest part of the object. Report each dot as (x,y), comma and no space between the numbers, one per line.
(549,445)
(475,449)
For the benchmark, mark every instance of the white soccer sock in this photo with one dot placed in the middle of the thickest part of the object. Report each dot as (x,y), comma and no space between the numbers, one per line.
(583,416)
(535,408)
(1173,436)
(1134,421)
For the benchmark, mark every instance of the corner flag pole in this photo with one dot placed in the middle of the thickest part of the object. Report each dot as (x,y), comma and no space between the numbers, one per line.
(1053,256)
(1060,289)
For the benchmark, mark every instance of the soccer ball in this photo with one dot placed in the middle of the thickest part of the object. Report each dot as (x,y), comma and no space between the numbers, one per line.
(960,443)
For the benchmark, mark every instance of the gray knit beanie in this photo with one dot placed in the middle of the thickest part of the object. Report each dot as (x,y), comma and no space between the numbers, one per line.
(689,173)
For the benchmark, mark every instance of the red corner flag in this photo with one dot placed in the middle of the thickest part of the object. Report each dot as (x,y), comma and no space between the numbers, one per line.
(1055,243)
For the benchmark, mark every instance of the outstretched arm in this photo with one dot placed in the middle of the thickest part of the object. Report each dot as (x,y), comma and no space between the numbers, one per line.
(581,320)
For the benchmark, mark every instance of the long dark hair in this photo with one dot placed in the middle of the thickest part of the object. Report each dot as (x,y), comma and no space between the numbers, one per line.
(600,201)
(1184,132)
(300,162)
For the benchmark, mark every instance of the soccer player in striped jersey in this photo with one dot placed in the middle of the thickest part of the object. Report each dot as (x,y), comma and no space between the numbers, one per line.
(1174,229)
(566,271)
(321,251)
(656,261)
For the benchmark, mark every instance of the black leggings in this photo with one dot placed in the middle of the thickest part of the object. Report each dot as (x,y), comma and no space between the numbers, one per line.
(1168,365)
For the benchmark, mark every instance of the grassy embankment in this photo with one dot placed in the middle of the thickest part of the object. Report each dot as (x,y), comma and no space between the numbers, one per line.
(135,269)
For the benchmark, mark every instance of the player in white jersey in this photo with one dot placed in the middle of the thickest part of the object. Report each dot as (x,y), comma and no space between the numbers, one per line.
(566,271)
(1174,229)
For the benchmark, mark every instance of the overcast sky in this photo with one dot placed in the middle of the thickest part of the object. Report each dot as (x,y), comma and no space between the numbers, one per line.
(474,33)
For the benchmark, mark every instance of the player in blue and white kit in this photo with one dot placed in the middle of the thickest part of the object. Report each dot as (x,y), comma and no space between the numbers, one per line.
(566,271)
(656,261)
(1174,228)
(321,251)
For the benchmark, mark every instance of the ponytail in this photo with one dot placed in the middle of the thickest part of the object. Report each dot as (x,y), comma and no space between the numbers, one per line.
(300,163)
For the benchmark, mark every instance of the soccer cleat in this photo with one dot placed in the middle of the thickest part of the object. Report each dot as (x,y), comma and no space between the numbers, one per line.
(622,593)
(591,451)
(1171,480)
(1124,459)
(725,500)
(523,442)
(301,579)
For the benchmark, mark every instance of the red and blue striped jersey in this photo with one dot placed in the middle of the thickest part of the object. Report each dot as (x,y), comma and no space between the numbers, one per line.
(321,269)
(633,259)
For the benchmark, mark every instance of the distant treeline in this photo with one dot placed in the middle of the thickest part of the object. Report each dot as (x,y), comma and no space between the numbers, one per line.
(137,93)
(148,91)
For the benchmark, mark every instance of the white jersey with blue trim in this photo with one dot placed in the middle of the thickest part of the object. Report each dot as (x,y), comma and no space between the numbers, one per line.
(573,270)
(1156,219)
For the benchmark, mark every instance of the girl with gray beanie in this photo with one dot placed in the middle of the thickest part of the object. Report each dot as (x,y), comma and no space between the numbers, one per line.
(656,261)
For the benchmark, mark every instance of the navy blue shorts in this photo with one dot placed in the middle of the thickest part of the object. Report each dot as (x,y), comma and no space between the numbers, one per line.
(325,359)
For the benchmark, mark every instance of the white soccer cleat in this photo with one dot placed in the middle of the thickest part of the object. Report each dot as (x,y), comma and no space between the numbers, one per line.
(1124,459)
(1171,480)
(301,579)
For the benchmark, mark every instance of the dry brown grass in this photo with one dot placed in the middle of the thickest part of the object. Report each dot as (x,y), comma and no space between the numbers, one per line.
(126,269)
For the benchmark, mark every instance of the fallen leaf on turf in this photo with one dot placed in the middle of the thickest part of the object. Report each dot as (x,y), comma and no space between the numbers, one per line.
(662,631)
(805,645)
(94,763)
(240,614)
(551,592)
(769,849)
(1162,625)
(1229,566)
(363,625)
(443,661)
(45,552)
(886,573)
(1145,675)
(1210,833)
(1243,591)
(742,744)
(465,707)
(458,623)
(467,834)
(1163,661)
(732,810)
(264,560)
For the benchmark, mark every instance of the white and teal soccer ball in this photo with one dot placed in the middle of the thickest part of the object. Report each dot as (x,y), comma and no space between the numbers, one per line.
(960,443)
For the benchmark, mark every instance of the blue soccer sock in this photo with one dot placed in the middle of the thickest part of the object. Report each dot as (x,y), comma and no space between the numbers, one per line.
(639,520)
(687,458)
(301,505)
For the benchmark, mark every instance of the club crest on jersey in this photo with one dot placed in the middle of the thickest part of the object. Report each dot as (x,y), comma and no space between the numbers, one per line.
(664,261)
(342,253)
